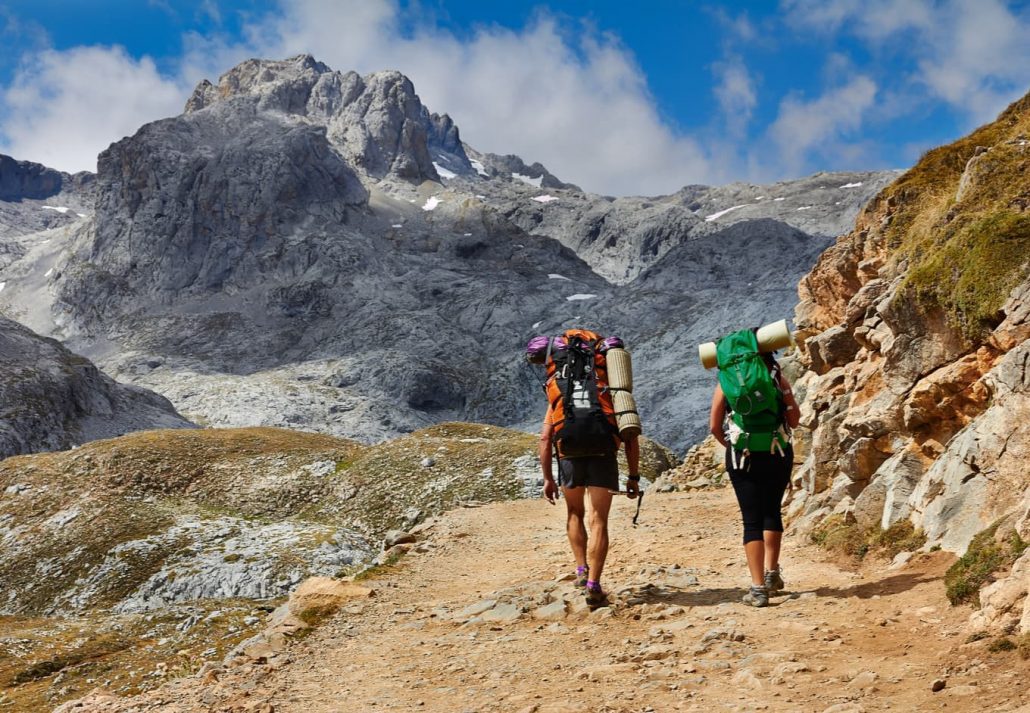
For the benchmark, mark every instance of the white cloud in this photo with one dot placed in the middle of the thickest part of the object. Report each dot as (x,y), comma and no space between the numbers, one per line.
(735,92)
(63,108)
(972,54)
(822,125)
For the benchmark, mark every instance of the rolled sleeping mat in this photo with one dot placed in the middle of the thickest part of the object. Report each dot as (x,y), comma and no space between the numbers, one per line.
(775,336)
(620,369)
(626,416)
(708,355)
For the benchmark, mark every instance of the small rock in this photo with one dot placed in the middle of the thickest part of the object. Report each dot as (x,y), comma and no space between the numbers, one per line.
(747,679)
(428,462)
(550,612)
(901,560)
(503,612)
(848,707)
(938,685)
(397,537)
(656,652)
(476,609)
(968,690)
(866,679)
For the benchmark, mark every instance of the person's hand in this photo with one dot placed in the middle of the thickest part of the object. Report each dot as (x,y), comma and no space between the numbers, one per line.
(550,490)
(632,488)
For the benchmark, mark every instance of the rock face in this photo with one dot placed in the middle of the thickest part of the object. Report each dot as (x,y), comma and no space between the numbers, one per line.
(34,199)
(917,348)
(316,249)
(51,399)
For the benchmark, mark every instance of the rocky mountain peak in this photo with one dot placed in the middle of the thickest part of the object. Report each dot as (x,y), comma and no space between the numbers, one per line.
(258,77)
(376,122)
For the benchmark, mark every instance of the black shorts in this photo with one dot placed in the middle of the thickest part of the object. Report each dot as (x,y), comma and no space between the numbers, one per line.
(591,471)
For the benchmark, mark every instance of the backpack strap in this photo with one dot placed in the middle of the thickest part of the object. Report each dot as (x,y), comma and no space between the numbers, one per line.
(547,358)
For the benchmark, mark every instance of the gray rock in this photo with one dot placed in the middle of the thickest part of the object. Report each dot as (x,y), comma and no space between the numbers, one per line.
(397,537)
(550,612)
(52,399)
(502,613)
(834,347)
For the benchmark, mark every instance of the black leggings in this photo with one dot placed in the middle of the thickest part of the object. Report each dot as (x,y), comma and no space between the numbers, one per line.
(759,488)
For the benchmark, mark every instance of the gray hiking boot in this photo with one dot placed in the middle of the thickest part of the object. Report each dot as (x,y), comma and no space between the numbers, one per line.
(774,580)
(757,597)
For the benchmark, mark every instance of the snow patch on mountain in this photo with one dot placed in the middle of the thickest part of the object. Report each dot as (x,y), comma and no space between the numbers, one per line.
(528,180)
(716,216)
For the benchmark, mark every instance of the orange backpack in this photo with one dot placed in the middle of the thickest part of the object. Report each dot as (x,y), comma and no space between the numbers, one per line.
(582,412)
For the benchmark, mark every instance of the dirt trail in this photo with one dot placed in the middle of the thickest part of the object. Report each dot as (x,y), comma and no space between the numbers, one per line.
(837,640)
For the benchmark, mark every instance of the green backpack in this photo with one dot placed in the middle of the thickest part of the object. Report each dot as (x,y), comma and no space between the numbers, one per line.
(753,396)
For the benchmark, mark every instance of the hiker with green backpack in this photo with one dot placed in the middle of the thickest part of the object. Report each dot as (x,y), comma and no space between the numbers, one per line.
(757,397)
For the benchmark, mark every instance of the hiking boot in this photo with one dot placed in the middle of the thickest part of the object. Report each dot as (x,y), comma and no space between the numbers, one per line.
(595,595)
(757,597)
(774,580)
(582,575)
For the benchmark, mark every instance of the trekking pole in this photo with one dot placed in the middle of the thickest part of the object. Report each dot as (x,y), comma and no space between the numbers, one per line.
(640,500)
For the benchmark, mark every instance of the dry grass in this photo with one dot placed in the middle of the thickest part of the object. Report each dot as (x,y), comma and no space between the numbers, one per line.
(837,534)
(45,661)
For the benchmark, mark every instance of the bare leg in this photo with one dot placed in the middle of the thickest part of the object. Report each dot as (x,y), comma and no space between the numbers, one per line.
(755,552)
(574,525)
(600,504)
(772,549)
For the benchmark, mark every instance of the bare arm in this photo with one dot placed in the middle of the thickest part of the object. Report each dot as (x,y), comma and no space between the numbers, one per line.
(793,412)
(546,438)
(717,415)
(545,447)
(633,456)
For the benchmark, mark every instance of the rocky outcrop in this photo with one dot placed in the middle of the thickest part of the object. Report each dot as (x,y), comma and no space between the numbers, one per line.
(52,399)
(34,198)
(916,327)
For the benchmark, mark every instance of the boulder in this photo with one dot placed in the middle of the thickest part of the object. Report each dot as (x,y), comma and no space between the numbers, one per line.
(834,347)
(317,597)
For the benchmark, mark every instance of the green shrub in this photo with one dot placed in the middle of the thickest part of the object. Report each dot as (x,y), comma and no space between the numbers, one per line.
(1023,645)
(1001,644)
(972,270)
(838,535)
(984,557)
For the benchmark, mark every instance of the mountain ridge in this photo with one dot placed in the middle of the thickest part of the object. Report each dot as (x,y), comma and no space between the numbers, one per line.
(283,231)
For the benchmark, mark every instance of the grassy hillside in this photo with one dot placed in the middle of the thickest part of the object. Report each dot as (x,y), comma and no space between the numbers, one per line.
(962,222)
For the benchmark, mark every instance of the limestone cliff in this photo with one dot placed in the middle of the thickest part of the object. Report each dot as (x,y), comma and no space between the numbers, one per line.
(917,341)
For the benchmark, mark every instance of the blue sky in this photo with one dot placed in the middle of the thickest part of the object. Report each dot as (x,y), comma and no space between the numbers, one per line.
(619,98)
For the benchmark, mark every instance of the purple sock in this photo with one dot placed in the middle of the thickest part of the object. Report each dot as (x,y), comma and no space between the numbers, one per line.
(591,584)
(582,569)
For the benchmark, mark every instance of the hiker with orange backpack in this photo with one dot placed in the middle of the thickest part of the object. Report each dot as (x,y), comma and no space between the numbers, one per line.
(580,427)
